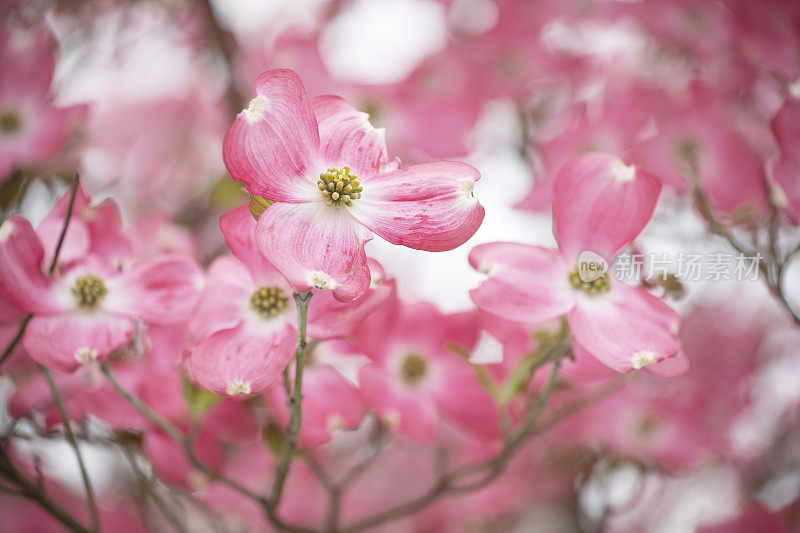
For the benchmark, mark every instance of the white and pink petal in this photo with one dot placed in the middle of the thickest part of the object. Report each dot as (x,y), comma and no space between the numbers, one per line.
(315,246)
(242,361)
(228,288)
(273,145)
(22,280)
(65,342)
(348,138)
(163,290)
(426,207)
(525,284)
(626,329)
(600,204)
(238,227)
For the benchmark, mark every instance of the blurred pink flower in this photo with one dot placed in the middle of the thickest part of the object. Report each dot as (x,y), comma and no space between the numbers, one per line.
(165,157)
(85,311)
(414,379)
(600,205)
(786,127)
(32,129)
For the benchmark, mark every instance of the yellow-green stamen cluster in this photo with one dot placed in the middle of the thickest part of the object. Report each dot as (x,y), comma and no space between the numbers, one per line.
(89,290)
(413,368)
(269,301)
(10,122)
(339,186)
(592,288)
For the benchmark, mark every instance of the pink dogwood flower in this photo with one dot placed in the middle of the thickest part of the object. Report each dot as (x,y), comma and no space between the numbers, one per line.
(324,172)
(86,310)
(600,205)
(243,332)
(244,328)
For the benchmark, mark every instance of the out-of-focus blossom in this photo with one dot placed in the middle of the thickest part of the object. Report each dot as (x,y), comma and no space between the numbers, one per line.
(164,158)
(414,379)
(600,205)
(786,127)
(85,311)
(32,129)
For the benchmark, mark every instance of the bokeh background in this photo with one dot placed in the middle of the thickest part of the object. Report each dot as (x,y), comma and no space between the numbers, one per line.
(146,89)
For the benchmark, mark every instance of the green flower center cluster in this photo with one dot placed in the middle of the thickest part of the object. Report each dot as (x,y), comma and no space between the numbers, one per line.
(269,301)
(89,290)
(413,368)
(10,122)
(339,186)
(599,286)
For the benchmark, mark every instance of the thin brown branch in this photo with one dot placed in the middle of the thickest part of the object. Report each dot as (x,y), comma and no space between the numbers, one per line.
(452,483)
(175,434)
(30,490)
(151,492)
(770,264)
(91,500)
(15,341)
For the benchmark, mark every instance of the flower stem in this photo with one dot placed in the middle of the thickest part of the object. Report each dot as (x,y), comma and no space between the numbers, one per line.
(295,400)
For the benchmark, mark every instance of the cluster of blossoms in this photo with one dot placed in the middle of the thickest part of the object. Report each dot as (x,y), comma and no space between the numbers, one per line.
(218,354)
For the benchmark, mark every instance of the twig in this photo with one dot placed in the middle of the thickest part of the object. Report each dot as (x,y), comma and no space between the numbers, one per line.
(18,337)
(176,435)
(213,520)
(67,217)
(91,501)
(31,491)
(57,399)
(165,510)
(772,268)
(491,468)
(295,401)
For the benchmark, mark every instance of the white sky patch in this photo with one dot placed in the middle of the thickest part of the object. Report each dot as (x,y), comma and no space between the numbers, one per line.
(488,351)
(605,42)
(474,16)
(382,41)
(252,16)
